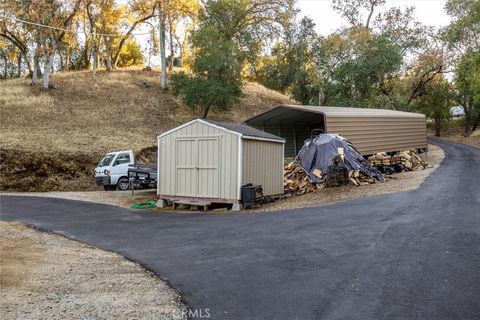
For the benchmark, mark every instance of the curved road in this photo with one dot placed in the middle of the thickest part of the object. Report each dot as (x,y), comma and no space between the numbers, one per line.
(409,255)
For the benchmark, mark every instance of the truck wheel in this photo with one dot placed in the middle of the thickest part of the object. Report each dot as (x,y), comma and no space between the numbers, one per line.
(122,184)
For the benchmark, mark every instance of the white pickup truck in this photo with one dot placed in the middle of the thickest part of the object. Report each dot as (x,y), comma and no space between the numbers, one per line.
(117,170)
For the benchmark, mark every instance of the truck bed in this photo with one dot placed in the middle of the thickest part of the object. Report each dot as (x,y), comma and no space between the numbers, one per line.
(145,174)
(144,168)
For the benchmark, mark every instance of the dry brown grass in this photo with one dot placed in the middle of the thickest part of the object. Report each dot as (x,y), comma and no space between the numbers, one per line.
(110,112)
(51,140)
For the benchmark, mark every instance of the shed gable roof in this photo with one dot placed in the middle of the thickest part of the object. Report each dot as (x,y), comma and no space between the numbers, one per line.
(241,130)
(245,130)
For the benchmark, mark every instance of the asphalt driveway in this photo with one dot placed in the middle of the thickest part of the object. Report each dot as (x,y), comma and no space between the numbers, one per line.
(409,255)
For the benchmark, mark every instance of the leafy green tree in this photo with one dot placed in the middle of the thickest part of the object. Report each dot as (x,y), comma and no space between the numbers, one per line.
(248,23)
(228,41)
(372,63)
(463,33)
(463,36)
(355,81)
(216,79)
(467,85)
(436,102)
(203,93)
(292,68)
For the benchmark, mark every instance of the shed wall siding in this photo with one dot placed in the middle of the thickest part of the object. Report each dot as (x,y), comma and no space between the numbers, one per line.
(380,134)
(228,148)
(263,165)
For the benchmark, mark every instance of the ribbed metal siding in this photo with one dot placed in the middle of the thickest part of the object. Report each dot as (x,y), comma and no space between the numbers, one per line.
(380,134)
(228,159)
(263,165)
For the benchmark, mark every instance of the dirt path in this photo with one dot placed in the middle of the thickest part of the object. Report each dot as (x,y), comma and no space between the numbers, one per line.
(46,276)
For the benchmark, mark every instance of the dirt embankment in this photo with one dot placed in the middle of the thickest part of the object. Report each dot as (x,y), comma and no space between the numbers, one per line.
(37,171)
(41,172)
(46,276)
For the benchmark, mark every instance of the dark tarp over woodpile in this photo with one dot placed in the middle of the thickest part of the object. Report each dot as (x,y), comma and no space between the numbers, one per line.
(323,154)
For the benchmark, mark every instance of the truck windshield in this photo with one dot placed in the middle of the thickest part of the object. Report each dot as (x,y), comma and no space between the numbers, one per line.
(106,160)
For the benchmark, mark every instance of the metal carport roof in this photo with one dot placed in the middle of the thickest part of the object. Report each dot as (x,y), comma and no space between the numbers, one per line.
(370,130)
(286,112)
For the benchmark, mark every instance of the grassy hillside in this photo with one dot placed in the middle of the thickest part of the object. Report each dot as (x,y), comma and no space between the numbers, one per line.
(50,140)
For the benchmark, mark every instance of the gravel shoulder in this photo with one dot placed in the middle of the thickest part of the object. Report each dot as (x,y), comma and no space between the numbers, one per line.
(47,276)
(398,182)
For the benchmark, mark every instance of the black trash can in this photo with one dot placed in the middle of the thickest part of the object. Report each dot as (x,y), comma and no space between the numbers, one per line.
(251,195)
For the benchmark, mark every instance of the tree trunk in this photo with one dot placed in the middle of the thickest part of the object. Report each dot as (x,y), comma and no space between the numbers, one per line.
(180,49)
(468,117)
(475,125)
(205,112)
(35,70)
(94,63)
(62,63)
(19,66)
(372,8)
(95,53)
(27,61)
(163,74)
(67,58)
(48,63)
(438,125)
(36,65)
(172,53)
(46,70)
(52,65)
(108,57)
(5,71)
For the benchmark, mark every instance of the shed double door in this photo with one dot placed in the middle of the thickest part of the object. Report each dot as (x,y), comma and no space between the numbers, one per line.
(197,167)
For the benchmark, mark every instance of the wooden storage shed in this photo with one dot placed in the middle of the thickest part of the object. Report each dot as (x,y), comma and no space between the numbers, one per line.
(370,130)
(205,161)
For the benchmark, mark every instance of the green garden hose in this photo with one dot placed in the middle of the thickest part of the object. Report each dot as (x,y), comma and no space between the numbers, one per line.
(145,205)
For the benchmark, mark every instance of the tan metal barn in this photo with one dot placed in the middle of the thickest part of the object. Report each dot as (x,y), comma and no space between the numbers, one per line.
(208,161)
(370,130)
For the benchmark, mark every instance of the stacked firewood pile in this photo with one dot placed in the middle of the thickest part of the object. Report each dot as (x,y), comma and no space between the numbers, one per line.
(412,161)
(407,160)
(359,179)
(296,181)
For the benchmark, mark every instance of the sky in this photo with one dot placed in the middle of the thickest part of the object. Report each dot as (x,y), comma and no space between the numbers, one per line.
(429,12)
